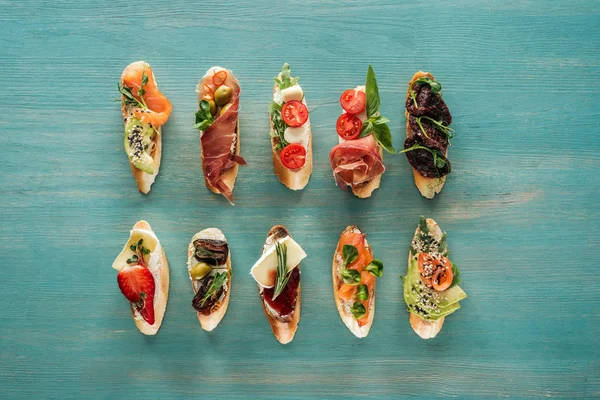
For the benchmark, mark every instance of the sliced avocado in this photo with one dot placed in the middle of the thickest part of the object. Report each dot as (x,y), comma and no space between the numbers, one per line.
(138,140)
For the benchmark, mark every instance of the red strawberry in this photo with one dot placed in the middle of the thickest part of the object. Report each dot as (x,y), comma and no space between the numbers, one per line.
(137,284)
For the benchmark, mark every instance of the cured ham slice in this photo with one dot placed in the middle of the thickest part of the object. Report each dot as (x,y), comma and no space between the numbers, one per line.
(356,161)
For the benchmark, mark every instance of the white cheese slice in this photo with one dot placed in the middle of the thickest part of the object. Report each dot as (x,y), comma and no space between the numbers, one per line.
(297,135)
(150,242)
(292,93)
(264,271)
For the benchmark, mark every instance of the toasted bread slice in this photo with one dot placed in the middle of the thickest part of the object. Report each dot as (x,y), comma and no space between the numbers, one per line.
(143,179)
(367,188)
(428,187)
(229,176)
(210,322)
(284,328)
(344,309)
(295,179)
(427,329)
(159,266)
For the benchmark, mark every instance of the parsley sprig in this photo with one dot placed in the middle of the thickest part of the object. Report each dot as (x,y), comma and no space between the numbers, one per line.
(283,275)
(140,251)
(375,123)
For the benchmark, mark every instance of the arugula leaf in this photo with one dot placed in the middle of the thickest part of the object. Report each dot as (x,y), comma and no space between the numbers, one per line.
(362,292)
(436,87)
(286,81)
(438,158)
(372,92)
(215,286)
(383,135)
(358,310)
(204,118)
(350,254)
(278,124)
(350,276)
(376,268)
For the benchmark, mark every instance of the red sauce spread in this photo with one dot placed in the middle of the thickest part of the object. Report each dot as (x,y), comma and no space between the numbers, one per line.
(285,303)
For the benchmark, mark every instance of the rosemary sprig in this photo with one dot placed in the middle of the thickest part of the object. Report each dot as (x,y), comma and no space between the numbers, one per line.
(283,275)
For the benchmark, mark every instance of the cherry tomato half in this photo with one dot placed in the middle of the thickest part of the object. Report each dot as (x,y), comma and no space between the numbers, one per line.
(348,126)
(207,93)
(353,101)
(219,78)
(293,156)
(294,113)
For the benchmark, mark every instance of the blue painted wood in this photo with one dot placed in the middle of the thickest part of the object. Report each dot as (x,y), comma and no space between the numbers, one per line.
(521,206)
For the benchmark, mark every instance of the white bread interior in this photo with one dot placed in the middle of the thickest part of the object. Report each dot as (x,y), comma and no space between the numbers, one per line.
(344,311)
(210,322)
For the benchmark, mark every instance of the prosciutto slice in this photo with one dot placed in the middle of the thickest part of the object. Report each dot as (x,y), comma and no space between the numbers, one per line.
(356,161)
(219,141)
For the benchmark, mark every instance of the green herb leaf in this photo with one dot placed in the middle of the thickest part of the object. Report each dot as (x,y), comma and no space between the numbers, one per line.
(283,275)
(438,158)
(442,244)
(376,268)
(215,286)
(440,125)
(286,80)
(204,118)
(350,276)
(278,124)
(367,128)
(455,273)
(133,247)
(380,120)
(358,310)
(350,254)
(128,98)
(145,251)
(362,292)
(423,224)
(372,92)
(436,87)
(139,243)
(384,137)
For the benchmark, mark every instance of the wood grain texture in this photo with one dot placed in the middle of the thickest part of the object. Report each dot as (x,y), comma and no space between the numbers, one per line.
(521,205)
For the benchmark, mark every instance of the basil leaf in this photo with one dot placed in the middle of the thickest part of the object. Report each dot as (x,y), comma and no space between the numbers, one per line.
(372,92)
(202,126)
(351,276)
(376,268)
(358,310)
(204,118)
(367,129)
(380,120)
(350,254)
(384,137)
(362,292)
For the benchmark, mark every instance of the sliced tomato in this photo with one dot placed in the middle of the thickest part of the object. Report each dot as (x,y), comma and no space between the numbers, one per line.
(348,126)
(294,113)
(219,78)
(207,93)
(293,156)
(353,101)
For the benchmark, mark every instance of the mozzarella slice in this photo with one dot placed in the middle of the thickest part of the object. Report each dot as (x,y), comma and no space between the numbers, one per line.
(150,241)
(297,135)
(264,270)
(292,93)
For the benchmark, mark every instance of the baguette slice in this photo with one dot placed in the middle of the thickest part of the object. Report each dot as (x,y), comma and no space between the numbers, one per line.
(295,179)
(367,188)
(210,322)
(284,328)
(144,180)
(344,310)
(428,187)
(229,176)
(426,329)
(158,265)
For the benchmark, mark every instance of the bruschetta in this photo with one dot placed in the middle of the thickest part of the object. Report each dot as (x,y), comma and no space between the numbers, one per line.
(217,120)
(145,110)
(431,290)
(291,137)
(428,134)
(144,277)
(357,160)
(209,269)
(354,274)
(277,273)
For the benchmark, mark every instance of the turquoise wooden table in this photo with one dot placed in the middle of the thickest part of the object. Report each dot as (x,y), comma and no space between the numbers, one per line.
(521,205)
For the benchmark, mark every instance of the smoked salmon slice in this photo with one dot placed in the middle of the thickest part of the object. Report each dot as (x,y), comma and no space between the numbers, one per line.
(154,108)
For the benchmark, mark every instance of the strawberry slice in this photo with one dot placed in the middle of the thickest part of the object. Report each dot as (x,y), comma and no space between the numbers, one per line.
(137,284)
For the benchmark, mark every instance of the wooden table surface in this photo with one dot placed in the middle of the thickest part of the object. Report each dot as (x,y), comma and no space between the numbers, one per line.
(521,206)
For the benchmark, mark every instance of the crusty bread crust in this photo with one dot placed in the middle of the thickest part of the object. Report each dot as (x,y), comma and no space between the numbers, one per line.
(144,180)
(284,329)
(210,322)
(295,179)
(427,329)
(348,319)
(428,187)
(160,300)
(367,188)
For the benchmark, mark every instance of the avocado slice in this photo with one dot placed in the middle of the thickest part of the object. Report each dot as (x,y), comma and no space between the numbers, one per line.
(138,141)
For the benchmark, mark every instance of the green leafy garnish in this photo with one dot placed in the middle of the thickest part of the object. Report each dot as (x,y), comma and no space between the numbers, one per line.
(375,123)
(283,275)
(438,158)
(358,310)
(442,244)
(350,276)
(215,286)
(278,125)
(140,251)
(129,99)
(455,275)
(350,254)
(376,268)
(440,125)
(204,118)
(286,81)
(436,87)
(423,224)
(362,292)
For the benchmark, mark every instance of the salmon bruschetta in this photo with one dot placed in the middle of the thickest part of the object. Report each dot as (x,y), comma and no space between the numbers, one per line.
(357,160)
(144,277)
(209,269)
(428,134)
(431,290)
(291,136)
(217,120)
(145,110)
(354,275)
(277,273)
